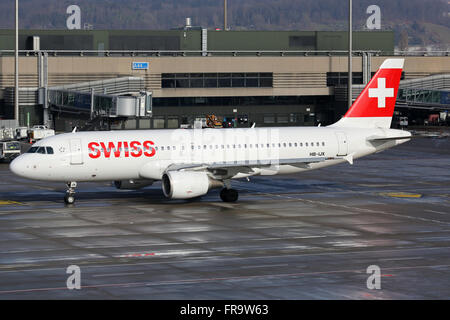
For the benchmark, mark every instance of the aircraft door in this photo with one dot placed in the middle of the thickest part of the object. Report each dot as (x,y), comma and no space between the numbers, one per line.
(76,154)
(342,143)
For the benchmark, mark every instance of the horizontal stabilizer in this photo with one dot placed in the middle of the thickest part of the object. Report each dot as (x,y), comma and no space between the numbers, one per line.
(390,138)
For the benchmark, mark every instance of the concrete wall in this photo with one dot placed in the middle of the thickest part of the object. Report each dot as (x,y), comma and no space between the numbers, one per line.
(292,75)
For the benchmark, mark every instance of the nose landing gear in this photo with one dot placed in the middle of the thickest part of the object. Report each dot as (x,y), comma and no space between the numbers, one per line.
(69,198)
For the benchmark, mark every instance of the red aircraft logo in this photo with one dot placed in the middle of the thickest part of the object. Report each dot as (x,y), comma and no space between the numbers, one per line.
(134,149)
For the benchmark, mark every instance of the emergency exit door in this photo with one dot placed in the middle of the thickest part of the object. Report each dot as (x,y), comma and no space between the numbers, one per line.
(76,154)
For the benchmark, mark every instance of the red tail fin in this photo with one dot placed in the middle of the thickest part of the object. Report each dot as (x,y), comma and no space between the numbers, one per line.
(375,105)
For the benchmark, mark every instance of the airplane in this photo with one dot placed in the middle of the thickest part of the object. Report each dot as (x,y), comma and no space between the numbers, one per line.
(190,162)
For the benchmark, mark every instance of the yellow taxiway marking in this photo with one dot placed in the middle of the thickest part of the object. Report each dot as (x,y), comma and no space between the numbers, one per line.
(7,202)
(401,195)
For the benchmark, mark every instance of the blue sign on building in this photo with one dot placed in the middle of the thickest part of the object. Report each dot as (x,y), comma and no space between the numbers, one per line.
(140,65)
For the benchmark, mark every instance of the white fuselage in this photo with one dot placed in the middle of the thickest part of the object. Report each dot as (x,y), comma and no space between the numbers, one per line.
(147,154)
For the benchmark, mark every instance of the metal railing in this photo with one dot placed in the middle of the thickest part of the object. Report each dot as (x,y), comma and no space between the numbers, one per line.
(209,53)
(184,53)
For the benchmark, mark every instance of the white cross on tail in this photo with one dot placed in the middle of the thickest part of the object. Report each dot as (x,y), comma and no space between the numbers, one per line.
(381,93)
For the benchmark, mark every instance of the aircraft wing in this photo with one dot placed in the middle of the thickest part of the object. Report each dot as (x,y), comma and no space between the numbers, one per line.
(231,168)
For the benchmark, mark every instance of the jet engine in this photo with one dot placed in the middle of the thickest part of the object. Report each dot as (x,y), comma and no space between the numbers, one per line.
(132,184)
(187,184)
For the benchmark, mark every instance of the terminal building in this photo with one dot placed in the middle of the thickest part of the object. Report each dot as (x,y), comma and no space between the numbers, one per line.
(165,79)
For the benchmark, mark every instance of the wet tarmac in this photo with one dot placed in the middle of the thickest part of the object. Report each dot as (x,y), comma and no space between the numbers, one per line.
(305,236)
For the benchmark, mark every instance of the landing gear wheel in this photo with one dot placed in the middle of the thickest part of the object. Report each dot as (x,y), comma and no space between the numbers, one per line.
(69,199)
(229,195)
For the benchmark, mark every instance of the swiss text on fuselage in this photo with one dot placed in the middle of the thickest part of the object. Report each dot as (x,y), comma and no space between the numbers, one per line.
(121,148)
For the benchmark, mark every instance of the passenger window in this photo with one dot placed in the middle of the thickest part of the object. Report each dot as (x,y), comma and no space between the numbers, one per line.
(301,144)
(168,148)
(268,145)
(317,144)
(50,150)
(284,145)
(306,144)
(290,144)
(295,144)
(323,144)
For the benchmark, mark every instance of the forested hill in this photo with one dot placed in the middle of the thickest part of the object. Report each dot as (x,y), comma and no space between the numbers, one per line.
(423,21)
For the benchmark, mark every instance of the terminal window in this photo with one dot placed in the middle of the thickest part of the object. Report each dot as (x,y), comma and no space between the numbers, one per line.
(302,41)
(340,78)
(217,80)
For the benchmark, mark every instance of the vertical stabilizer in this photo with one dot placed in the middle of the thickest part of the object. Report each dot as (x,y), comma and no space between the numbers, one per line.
(375,105)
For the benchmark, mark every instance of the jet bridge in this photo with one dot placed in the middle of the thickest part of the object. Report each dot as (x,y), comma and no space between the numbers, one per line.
(431,93)
(101,105)
(121,97)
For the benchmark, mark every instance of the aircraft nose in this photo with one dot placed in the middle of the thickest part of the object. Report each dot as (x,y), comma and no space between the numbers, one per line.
(17,166)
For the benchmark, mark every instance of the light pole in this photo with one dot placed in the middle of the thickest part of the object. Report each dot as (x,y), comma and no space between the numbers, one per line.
(349,86)
(16,68)
(225,17)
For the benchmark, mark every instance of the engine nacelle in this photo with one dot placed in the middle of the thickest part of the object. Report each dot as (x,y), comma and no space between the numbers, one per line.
(187,184)
(132,184)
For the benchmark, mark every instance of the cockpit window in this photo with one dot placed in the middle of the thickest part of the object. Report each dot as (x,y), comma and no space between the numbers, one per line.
(41,150)
(32,150)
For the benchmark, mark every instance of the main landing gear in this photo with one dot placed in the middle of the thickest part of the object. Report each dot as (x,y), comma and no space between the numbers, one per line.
(228,194)
(69,198)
